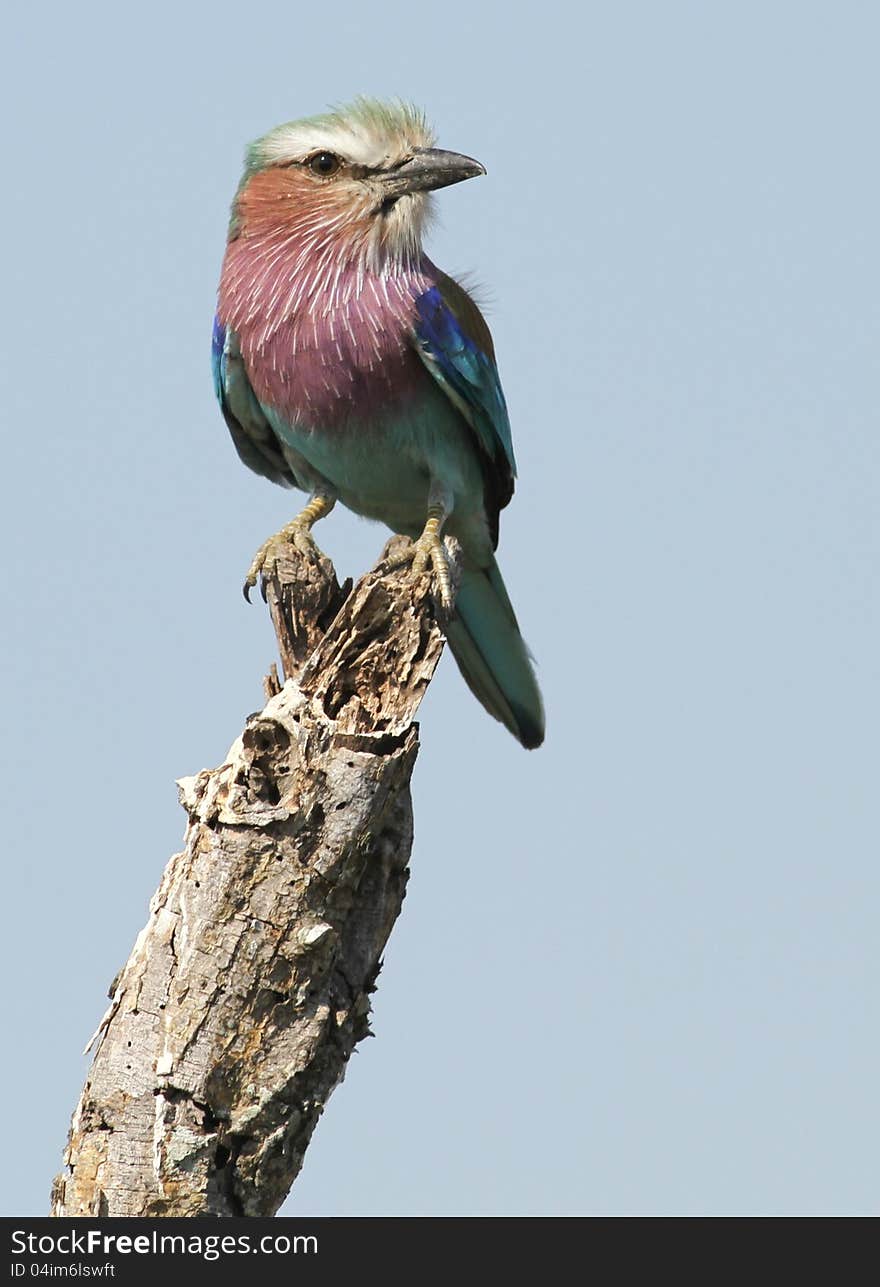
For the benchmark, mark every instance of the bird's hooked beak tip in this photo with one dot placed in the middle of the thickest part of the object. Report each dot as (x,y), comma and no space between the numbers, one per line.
(427,170)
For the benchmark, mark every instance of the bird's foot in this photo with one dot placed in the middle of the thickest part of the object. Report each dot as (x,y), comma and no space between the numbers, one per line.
(429,551)
(296,533)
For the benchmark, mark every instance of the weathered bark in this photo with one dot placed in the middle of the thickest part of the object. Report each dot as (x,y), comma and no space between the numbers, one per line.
(248,988)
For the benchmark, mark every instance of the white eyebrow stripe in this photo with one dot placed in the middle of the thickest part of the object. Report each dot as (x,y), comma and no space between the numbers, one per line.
(295,143)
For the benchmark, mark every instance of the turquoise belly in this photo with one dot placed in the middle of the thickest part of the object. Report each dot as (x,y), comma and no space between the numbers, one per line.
(384,470)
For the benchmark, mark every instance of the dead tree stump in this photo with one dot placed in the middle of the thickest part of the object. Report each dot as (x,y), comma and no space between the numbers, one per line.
(249,986)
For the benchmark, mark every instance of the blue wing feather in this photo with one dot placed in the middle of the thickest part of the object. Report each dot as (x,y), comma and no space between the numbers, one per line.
(468,375)
(218,340)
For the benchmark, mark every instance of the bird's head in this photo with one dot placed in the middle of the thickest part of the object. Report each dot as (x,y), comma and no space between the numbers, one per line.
(355,181)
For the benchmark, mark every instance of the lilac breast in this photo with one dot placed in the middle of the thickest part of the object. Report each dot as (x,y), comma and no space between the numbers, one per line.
(337,354)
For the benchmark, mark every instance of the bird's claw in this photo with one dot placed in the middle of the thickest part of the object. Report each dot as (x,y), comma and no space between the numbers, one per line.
(429,551)
(296,534)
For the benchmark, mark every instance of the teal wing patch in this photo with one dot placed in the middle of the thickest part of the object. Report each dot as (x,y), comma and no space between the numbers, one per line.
(253,436)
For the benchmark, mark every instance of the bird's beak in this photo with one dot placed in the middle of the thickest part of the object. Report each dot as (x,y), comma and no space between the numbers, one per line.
(427,169)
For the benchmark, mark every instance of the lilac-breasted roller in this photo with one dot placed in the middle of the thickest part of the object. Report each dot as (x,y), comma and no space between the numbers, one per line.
(347,365)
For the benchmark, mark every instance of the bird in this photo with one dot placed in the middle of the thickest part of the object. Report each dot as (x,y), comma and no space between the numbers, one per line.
(349,366)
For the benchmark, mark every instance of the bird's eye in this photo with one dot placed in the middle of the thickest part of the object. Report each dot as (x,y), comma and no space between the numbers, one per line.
(324,163)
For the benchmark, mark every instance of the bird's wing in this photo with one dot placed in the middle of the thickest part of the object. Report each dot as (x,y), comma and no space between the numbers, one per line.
(454,343)
(251,432)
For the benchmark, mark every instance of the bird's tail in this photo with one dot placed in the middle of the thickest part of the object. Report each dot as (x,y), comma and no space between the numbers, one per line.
(492,655)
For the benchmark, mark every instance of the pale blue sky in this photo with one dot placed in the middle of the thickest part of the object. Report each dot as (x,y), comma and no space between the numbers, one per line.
(636,971)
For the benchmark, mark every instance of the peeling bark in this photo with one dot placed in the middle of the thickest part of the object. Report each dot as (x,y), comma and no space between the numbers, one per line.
(248,988)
